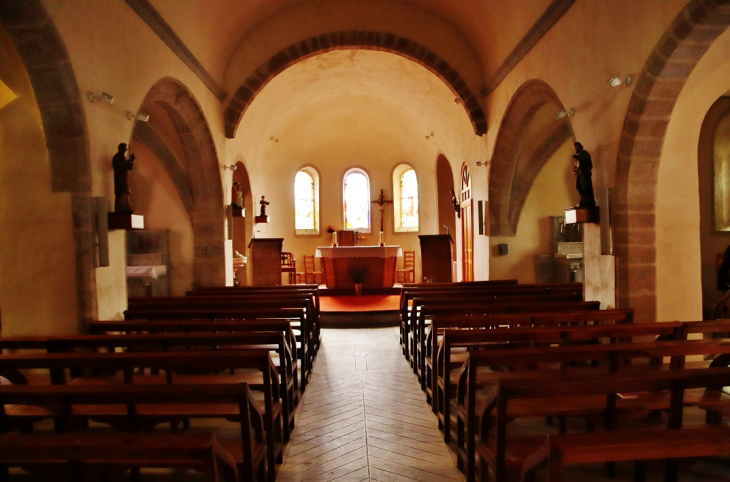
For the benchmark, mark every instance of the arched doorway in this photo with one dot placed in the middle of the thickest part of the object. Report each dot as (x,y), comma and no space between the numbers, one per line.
(467,227)
(242,227)
(445,186)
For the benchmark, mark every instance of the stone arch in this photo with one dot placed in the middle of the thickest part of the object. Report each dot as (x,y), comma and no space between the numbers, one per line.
(508,185)
(201,168)
(320,44)
(59,100)
(650,108)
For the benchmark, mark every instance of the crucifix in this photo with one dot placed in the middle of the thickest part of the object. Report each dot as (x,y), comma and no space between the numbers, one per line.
(381,201)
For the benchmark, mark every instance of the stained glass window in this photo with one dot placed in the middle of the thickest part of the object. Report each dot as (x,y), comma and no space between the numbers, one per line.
(409,199)
(357,200)
(304,200)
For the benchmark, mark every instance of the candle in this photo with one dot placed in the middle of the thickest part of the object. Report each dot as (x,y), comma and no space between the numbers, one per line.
(334,238)
(382,238)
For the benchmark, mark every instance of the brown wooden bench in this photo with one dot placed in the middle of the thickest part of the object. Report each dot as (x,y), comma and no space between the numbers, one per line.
(445,389)
(615,358)
(514,399)
(299,308)
(545,319)
(409,311)
(298,349)
(131,365)
(564,450)
(428,310)
(240,314)
(272,340)
(129,406)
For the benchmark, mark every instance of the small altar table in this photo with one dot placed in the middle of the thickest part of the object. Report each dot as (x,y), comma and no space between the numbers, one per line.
(377,262)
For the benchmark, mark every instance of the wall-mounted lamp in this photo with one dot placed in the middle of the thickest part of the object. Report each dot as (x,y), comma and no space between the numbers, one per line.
(232,167)
(272,138)
(563,113)
(428,136)
(615,81)
(142,117)
(457,101)
(103,97)
(480,163)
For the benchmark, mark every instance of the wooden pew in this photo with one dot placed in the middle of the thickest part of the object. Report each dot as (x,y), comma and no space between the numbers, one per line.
(131,405)
(564,450)
(274,341)
(299,359)
(129,364)
(614,357)
(511,399)
(503,337)
(310,322)
(441,322)
(242,315)
(409,311)
(428,310)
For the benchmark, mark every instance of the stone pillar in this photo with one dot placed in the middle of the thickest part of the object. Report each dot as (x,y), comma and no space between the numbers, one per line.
(599,282)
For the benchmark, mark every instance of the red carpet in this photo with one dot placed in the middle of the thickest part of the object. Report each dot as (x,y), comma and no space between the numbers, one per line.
(339,304)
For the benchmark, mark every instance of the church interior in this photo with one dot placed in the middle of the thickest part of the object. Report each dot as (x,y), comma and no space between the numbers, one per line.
(299,130)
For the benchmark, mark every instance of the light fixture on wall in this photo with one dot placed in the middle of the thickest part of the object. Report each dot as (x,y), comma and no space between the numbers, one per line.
(142,117)
(615,81)
(103,97)
(232,167)
(563,113)
(272,138)
(430,135)
(480,164)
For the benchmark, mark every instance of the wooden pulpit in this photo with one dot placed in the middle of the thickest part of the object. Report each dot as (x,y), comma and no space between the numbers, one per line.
(436,257)
(265,261)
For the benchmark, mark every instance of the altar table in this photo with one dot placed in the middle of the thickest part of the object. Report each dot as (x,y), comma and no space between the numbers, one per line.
(377,263)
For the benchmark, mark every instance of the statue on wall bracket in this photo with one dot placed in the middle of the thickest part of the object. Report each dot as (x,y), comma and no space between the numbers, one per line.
(122,165)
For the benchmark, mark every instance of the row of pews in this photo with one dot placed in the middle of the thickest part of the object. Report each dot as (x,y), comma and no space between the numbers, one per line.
(497,356)
(140,393)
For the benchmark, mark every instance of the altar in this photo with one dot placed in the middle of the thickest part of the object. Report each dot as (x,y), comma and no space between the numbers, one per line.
(375,265)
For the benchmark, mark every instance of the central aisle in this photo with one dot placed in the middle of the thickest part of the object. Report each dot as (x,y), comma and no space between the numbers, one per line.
(364,417)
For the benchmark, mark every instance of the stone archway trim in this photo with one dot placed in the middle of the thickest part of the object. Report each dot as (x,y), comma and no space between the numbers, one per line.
(645,126)
(46,59)
(351,40)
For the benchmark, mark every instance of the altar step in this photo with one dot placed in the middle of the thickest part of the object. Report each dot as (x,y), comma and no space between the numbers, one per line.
(365,311)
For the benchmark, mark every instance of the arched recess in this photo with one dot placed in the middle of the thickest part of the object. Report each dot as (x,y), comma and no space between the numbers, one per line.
(352,40)
(46,59)
(201,170)
(243,228)
(645,126)
(510,181)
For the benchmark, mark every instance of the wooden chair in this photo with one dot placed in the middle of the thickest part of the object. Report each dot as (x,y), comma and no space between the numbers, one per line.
(408,273)
(310,275)
(289,265)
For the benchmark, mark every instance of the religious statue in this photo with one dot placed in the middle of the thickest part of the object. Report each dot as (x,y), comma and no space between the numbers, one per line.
(582,166)
(239,195)
(122,166)
(263,203)
(456,204)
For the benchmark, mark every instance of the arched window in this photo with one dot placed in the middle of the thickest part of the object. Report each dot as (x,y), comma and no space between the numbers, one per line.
(356,198)
(405,189)
(306,201)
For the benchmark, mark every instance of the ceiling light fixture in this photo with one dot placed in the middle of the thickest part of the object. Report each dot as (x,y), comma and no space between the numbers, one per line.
(615,81)
(563,113)
(428,136)
(142,117)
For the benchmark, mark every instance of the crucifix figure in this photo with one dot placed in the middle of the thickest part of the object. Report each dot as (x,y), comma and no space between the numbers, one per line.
(381,201)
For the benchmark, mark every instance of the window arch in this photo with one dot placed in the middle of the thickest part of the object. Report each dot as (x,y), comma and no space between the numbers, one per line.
(405,194)
(306,201)
(356,200)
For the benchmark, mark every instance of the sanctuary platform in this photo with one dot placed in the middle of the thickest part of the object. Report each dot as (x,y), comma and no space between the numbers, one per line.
(376,307)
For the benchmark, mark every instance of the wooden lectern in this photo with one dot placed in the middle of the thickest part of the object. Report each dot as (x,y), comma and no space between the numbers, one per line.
(436,257)
(266,261)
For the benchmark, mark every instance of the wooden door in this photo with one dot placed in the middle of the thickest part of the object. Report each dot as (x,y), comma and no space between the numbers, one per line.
(467,227)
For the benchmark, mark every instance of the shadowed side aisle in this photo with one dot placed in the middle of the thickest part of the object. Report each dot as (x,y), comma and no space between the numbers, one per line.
(364,416)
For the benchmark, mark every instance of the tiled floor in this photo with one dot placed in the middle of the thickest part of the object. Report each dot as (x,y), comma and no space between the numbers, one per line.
(364,417)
